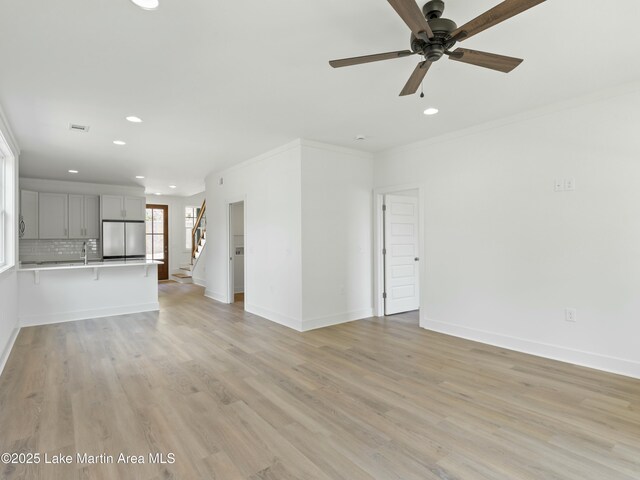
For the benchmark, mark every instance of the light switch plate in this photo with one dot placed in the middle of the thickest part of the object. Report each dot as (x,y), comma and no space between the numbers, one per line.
(570,315)
(570,184)
(558,185)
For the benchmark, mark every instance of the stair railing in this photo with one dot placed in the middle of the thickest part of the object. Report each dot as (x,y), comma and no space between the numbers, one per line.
(199,229)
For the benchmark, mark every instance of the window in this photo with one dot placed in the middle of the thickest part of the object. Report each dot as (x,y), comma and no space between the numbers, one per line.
(3,213)
(8,220)
(155,220)
(190,217)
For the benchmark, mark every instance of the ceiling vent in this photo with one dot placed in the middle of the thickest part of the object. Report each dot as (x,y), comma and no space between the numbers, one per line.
(78,128)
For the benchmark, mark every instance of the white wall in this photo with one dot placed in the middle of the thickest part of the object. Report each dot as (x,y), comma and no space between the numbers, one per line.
(308,234)
(336,234)
(270,187)
(505,254)
(178,253)
(8,279)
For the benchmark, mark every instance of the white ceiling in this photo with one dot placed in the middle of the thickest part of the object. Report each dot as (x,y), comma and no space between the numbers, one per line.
(219,82)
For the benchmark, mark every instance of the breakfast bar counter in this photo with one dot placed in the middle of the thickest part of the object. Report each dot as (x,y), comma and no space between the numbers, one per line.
(53,292)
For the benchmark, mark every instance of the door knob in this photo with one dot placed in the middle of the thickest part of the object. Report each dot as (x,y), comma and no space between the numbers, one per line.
(417,259)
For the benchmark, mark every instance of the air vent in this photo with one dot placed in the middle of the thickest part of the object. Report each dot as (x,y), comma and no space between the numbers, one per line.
(78,128)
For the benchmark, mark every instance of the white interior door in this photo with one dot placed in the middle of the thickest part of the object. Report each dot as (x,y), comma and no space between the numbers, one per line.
(401,262)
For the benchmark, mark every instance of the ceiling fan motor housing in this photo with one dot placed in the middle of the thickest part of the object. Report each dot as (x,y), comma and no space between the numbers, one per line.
(435,48)
(433,9)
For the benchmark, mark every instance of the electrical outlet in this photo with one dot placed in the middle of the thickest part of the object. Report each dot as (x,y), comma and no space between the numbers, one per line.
(569,184)
(558,185)
(570,315)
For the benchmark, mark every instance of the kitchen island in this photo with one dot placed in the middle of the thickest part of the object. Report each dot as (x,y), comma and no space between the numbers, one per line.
(53,292)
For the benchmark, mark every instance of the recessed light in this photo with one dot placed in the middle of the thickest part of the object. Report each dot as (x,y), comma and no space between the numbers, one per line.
(431,111)
(134,119)
(139,177)
(73,171)
(157,193)
(147,4)
(119,142)
(172,186)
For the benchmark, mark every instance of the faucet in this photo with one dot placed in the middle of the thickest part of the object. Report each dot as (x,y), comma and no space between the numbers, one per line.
(85,256)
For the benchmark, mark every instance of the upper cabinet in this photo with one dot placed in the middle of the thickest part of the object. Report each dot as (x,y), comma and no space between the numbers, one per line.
(74,216)
(116,207)
(112,207)
(84,216)
(92,216)
(135,208)
(28,226)
(53,215)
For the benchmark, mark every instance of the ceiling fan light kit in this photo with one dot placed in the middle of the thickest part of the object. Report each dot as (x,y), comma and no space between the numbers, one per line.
(433,37)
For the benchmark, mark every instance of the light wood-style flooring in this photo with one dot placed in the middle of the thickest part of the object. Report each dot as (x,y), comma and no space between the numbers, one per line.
(234,396)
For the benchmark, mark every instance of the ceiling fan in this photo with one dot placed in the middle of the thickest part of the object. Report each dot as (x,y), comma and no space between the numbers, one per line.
(433,36)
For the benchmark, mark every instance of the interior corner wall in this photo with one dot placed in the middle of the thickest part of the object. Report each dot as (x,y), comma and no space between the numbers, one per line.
(337,235)
(270,187)
(506,254)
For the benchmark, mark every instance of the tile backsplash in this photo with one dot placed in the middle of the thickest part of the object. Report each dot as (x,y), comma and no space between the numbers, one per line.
(56,250)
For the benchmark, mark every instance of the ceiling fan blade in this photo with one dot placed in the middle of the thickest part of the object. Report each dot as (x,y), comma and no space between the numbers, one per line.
(345,62)
(413,17)
(416,78)
(486,60)
(497,14)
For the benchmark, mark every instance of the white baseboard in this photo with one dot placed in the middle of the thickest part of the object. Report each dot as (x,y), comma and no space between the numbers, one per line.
(7,349)
(327,321)
(201,282)
(274,317)
(555,352)
(218,297)
(34,320)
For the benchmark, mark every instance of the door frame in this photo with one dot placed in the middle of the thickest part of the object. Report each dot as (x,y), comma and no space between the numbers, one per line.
(165,207)
(378,242)
(230,252)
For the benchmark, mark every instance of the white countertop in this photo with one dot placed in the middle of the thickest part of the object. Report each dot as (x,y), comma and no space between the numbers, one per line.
(34,267)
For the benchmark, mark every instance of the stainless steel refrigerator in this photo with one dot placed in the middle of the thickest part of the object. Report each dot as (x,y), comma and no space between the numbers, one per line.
(123,239)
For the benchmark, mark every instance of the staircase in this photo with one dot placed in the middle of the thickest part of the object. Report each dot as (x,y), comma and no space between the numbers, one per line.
(185,275)
(198,241)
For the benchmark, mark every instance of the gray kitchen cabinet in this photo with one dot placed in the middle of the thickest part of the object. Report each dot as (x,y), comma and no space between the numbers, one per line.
(84,216)
(53,215)
(28,224)
(117,207)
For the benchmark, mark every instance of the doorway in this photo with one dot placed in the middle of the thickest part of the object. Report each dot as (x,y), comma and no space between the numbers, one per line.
(157,221)
(398,246)
(237,265)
